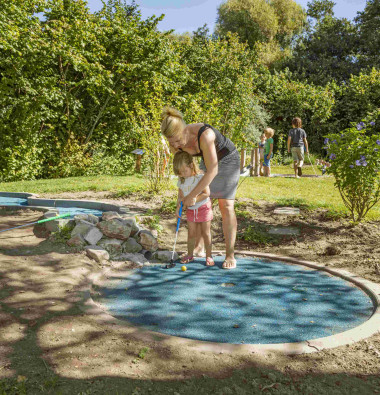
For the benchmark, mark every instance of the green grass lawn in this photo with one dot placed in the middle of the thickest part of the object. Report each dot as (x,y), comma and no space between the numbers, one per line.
(309,193)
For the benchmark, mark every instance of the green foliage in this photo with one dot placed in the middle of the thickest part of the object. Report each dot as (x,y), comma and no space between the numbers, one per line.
(355,164)
(327,53)
(169,206)
(354,100)
(368,25)
(143,352)
(272,22)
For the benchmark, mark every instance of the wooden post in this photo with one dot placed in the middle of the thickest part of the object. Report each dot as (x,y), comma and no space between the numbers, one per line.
(257,162)
(242,159)
(251,170)
(138,163)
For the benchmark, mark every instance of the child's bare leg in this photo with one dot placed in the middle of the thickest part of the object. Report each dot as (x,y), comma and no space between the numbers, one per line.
(206,233)
(199,242)
(191,237)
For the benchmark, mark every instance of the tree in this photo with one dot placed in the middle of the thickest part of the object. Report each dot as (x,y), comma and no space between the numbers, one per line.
(328,51)
(267,25)
(368,24)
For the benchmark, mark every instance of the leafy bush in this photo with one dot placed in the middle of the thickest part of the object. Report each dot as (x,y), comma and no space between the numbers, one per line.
(355,163)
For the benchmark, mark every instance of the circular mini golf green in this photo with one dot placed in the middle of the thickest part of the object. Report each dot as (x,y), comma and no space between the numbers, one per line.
(261,301)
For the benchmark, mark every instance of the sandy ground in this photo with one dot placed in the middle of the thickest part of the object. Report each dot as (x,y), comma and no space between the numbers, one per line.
(47,341)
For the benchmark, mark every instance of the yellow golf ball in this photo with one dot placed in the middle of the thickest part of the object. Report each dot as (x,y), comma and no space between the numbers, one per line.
(183,268)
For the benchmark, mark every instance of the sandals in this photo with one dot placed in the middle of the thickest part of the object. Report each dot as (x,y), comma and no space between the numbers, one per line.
(227,262)
(187,259)
(209,261)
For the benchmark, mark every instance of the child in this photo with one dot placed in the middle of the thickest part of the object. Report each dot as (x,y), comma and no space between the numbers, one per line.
(297,144)
(268,150)
(199,214)
(261,147)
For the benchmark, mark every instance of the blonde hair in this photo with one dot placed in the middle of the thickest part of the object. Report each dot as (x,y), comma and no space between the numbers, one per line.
(297,122)
(270,131)
(172,122)
(183,158)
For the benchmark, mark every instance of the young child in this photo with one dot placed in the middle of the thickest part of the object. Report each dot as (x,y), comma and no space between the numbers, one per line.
(268,150)
(199,215)
(261,147)
(297,145)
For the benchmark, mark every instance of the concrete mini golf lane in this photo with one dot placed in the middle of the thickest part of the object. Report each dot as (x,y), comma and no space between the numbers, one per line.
(263,301)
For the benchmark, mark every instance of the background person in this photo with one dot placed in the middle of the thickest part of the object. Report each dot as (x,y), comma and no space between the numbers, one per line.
(261,153)
(296,143)
(268,150)
(220,162)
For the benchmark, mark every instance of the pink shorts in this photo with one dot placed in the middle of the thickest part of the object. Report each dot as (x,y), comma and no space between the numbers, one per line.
(201,214)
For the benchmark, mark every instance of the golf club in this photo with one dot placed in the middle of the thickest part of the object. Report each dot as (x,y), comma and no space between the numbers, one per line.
(172,264)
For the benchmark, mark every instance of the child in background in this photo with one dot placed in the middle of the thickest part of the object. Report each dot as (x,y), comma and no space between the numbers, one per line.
(261,150)
(199,214)
(268,150)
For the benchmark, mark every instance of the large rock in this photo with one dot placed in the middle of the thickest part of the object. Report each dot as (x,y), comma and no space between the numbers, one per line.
(76,241)
(97,253)
(87,218)
(139,259)
(57,224)
(93,236)
(81,229)
(132,223)
(165,256)
(131,245)
(108,215)
(113,246)
(147,240)
(115,229)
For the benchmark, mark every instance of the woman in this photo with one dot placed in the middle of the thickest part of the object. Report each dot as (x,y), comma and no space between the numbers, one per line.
(220,162)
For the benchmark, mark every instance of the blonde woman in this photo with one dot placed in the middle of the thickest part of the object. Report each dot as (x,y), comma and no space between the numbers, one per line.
(220,162)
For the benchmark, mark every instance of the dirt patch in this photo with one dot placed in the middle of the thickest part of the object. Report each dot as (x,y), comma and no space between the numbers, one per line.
(48,344)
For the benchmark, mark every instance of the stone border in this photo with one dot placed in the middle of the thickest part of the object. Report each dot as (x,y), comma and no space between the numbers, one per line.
(34,202)
(363,331)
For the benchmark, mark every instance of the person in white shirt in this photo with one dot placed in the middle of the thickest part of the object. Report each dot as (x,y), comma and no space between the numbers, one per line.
(199,213)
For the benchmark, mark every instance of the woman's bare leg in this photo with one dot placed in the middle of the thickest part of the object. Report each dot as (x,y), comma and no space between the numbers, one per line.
(229,222)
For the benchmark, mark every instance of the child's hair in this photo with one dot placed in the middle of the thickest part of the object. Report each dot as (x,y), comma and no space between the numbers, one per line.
(270,131)
(183,158)
(297,122)
(172,122)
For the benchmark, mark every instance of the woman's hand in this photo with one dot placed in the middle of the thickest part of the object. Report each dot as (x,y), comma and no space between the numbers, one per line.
(189,201)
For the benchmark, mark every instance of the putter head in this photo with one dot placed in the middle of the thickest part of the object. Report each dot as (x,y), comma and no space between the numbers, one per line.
(170,265)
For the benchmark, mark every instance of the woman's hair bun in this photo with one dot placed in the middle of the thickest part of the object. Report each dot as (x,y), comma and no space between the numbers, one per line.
(170,112)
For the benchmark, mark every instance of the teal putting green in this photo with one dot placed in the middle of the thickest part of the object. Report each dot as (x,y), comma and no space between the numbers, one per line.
(260,302)
(11,201)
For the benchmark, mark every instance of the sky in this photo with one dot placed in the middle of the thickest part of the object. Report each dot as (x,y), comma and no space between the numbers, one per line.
(189,15)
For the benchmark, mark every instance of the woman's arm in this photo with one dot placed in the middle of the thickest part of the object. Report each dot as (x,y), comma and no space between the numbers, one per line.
(210,158)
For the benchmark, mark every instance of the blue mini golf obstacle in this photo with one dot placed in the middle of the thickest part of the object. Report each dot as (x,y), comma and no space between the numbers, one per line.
(263,301)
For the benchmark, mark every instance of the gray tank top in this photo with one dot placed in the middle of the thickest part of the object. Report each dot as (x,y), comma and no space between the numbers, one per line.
(223,145)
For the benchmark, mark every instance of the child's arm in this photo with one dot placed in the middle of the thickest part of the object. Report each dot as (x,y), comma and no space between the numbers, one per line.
(270,151)
(203,195)
(179,200)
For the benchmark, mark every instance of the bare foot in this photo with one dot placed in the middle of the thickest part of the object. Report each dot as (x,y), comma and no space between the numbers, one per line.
(229,264)
(209,261)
